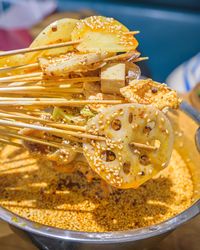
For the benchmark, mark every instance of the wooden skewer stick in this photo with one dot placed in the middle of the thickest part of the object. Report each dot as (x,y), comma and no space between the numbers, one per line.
(67,126)
(45,47)
(54,131)
(75,79)
(40,91)
(143,146)
(18,82)
(132,32)
(35,77)
(8,142)
(40,141)
(71,80)
(140,59)
(131,54)
(32,99)
(49,82)
(24,110)
(35,88)
(22,116)
(17,129)
(17,77)
(37,94)
(52,102)
(21,67)
(25,117)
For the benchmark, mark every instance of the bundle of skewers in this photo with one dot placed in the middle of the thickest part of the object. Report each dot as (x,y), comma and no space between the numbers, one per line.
(75,95)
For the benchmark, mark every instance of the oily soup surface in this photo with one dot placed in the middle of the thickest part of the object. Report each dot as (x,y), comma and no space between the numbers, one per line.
(36,191)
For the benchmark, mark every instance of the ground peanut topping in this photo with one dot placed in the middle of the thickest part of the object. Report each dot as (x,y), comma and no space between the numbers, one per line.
(37,192)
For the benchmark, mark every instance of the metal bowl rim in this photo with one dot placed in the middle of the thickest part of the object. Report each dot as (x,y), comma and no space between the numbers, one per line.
(100,238)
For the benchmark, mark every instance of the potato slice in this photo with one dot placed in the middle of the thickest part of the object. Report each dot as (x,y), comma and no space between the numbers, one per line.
(57,32)
(119,161)
(150,92)
(100,33)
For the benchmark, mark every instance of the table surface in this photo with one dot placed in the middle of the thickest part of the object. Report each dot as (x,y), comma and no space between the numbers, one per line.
(187,237)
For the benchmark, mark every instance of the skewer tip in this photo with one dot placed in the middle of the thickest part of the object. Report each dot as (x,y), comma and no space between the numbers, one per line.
(132,32)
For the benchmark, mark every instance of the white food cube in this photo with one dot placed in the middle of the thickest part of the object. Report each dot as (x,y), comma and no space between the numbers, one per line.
(113,77)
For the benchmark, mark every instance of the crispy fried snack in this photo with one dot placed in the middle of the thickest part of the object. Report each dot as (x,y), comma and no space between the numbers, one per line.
(150,92)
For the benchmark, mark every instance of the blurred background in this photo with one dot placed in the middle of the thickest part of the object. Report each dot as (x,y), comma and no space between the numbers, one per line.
(169,30)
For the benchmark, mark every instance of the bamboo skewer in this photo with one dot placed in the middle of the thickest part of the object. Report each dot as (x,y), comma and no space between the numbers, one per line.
(32,118)
(43,121)
(39,99)
(54,131)
(36,88)
(41,81)
(21,117)
(41,90)
(140,59)
(37,140)
(16,110)
(76,79)
(21,86)
(8,142)
(25,66)
(19,82)
(18,77)
(143,146)
(51,102)
(37,94)
(35,77)
(132,32)
(45,47)
(118,57)
(28,110)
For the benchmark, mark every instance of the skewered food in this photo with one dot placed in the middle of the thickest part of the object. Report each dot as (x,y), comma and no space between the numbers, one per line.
(113,77)
(85,97)
(100,33)
(71,62)
(57,32)
(151,92)
(139,142)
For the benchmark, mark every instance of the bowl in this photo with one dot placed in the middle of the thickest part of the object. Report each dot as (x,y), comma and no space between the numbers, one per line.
(44,237)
